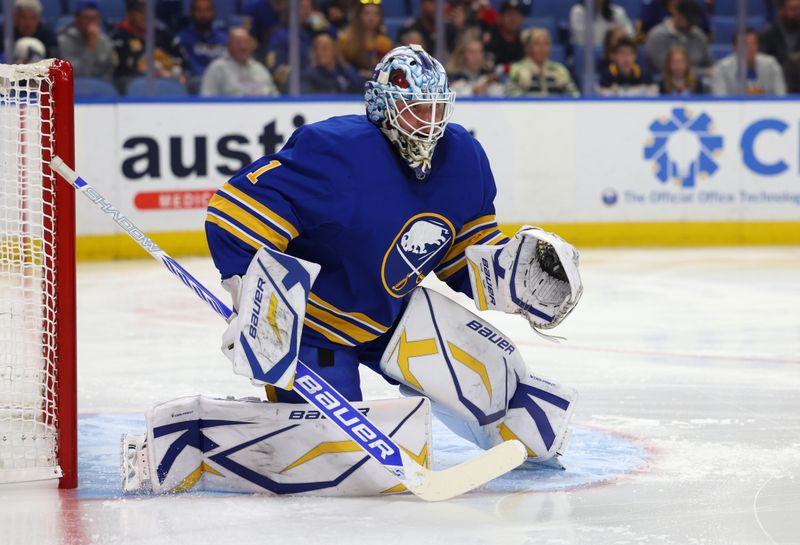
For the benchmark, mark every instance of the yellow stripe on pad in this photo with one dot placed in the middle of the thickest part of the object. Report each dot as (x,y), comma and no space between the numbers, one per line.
(508,435)
(473,364)
(331,447)
(478,285)
(191,480)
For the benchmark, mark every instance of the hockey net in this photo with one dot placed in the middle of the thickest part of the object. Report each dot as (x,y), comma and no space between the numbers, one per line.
(37,282)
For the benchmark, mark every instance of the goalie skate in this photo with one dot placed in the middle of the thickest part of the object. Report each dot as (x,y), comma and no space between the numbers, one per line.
(135,465)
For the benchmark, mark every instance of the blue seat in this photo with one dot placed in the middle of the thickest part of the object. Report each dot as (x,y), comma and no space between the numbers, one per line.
(558,54)
(223,8)
(392,25)
(94,88)
(51,11)
(163,87)
(110,10)
(63,22)
(548,23)
(558,9)
(726,27)
(719,51)
(235,20)
(577,58)
(729,7)
(395,8)
(632,7)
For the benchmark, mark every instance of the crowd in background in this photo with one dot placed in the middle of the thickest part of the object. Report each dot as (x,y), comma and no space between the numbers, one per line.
(641,47)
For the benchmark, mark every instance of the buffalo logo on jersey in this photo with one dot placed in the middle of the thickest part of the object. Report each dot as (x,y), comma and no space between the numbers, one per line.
(415,251)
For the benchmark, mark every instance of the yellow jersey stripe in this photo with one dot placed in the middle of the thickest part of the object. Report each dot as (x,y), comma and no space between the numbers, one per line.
(489,218)
(338,325)
(357,316)
(457,265)
(330,335)
(258,207)
(459,248)
(248,220)
(235,231)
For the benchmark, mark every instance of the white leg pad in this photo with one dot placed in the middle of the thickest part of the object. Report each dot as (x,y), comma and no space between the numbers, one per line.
(200,443)
(479,384)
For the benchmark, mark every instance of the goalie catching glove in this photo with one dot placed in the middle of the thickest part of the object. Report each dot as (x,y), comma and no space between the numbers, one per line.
(535,274)
(263,336)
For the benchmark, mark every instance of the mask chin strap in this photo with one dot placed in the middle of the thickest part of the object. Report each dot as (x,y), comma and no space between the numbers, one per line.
(412,151)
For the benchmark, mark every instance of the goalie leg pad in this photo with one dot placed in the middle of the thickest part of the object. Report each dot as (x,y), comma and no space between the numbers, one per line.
(200,443)
(224,445)
(479,384)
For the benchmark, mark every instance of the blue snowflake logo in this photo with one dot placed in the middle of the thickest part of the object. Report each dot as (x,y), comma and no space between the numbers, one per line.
(683,147)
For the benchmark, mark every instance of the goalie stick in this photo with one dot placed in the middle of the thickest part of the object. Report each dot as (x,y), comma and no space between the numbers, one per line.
(425,483)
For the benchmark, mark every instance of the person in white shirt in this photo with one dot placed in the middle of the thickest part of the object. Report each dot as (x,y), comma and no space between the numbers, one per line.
(235,73)
(606,16)
(764,75)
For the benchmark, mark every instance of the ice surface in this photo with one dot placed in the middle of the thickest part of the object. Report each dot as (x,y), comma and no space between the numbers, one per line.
(688,368)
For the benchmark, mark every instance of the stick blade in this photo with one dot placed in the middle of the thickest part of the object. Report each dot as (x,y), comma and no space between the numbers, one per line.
(454,481)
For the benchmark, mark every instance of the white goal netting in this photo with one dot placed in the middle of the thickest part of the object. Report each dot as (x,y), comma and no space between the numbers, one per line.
(28,302)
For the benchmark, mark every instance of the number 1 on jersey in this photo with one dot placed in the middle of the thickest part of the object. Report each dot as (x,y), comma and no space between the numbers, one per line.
(253,176)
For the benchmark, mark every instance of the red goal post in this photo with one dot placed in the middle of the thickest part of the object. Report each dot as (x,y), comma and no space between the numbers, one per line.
(38,394)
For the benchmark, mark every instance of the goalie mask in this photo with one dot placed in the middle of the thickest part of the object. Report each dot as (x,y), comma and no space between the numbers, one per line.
(409,99)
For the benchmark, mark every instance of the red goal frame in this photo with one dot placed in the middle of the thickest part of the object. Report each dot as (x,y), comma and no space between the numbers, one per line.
(61,133)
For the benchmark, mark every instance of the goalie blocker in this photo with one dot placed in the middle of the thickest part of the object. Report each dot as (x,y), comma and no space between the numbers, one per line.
(262,340)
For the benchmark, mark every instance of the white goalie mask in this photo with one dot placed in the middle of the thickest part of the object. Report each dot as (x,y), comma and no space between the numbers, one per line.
(409,99)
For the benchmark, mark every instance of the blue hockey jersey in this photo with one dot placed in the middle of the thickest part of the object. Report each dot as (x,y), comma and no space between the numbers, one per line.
(338,194)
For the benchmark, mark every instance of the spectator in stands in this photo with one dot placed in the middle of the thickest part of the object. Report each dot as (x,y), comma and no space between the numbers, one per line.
(653,12)
(339,12)
(276,55)
(260,17)
(609,41)
(235,73)
(200,43)
(677,78)
(764,74)
(791,72)
(328,75)
(28,50)
(781,38)
(410,36)
(128,40)
(468,72)
(425,24)
(462,21)
(504,42)
(536,74)
(364,41)
(85,45)
(624,77)
(481,13)
(606,16)
(28,24)
(680,29)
